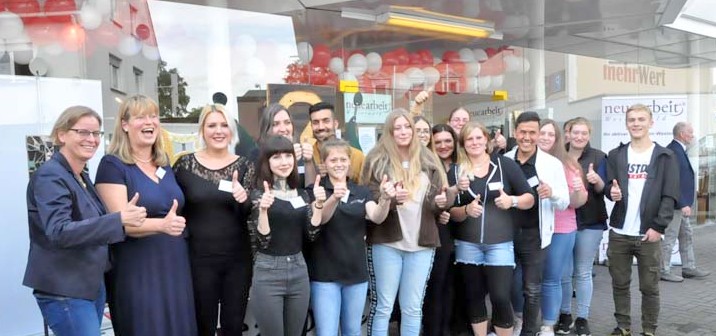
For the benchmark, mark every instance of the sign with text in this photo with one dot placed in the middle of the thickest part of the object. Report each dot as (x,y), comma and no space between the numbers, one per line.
(373,110)
(491,114)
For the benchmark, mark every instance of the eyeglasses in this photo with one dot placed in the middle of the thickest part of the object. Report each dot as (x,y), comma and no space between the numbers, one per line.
(84,134)
(422,131)
(465,120)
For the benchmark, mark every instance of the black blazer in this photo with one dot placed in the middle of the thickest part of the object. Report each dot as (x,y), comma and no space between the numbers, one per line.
(686,176)
(69,233)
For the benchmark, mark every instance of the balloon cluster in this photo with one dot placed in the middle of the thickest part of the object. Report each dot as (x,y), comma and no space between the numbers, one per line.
(51,27)
(464,70)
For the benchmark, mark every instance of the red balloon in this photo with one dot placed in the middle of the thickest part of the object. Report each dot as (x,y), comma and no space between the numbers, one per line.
(340,52)
(321,56)
(389,58)
(356,51)
(56,6)
(415,59)
(490,52)
(143,31)
(439,88)
(42,31)
(451,56)
(21,7)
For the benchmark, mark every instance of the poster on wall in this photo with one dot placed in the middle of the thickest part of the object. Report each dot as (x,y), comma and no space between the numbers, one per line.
(491,114)
(373,108)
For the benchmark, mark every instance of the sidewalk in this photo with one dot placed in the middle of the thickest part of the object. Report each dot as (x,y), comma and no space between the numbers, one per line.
(687,308)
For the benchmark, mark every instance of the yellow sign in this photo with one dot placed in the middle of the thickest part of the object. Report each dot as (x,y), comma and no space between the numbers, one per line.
(350,86)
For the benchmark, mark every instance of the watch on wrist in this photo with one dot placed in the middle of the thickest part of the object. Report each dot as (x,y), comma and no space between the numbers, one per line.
(515,201)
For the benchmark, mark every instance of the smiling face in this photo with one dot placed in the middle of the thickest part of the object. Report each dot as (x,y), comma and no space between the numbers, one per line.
(337,163)
(282,125)
(422,129)
(444,145)
(475,142)
(526,134)
(142,128)
(323,124)
(458,119)
(281,164)
(216,131)
(402,132)
(80,148)
(547,137)
(638,123)
(579,136)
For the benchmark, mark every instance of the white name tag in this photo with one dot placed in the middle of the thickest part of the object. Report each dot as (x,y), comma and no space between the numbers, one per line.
(494,186)
(297,202)
(533,181)
(406,164)
(160,172)
(301,170)
(226,186)
(344,199)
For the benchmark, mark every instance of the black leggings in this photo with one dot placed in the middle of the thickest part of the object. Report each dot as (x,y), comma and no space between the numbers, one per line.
(224,280)
(495,281)
(437,305)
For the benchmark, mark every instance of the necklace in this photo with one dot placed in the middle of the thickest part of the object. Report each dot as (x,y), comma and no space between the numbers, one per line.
(81,181)
(140,160)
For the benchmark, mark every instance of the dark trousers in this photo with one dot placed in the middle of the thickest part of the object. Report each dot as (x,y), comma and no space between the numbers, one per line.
(221,280)
(621,251)
(527,287)
(482,280)
(437,304)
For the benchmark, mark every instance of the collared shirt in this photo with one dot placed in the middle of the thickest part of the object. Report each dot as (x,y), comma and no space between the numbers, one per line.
(529,219)
(357,159)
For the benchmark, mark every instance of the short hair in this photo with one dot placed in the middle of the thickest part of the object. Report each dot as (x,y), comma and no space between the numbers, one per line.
(68,118)
(332,144)
(137,105)
(217,108)
(321,106)
(527,116)
(275,144)
(581,121)
(639,107)
(680,127)
(266,119)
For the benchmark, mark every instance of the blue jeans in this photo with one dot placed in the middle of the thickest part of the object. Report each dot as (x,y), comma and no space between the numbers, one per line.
(333,302)
(393,269)
(580,271)
(559,254)
(72,317)
(500,254)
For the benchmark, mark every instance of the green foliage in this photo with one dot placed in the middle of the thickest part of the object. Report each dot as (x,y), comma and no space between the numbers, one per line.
(164,82)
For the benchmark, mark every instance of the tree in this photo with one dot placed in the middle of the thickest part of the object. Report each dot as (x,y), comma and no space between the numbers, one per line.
(164,82)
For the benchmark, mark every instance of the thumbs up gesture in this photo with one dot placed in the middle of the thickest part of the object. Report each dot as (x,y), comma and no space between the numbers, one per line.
(237,189)
(267,198)
(421,97)
(615,192)
(504,201)
(339,190)
(592,176)
(544,190)
(318,191)
(474,209)
(173,224)
(387,188)
(463,182)
(500,141)
(307,151)
(577,184)
(133,215)
(441,198)
(444,217)
(401,194)
(297,151)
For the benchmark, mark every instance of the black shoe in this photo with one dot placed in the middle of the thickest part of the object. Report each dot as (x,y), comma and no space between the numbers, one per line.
(564,325)
(694,273)
(581,327)
(620,332)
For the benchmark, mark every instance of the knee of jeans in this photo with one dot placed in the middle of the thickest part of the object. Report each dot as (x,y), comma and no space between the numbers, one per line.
(533,289)
(412,310)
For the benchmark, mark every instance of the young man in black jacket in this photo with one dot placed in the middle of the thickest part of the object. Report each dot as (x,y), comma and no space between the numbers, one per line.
(644,196)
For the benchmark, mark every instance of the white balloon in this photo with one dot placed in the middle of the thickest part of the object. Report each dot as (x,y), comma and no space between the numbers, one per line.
(10,25)
(129,46)
(471,85)
(472,69)
(336,65)
(53,49)
(150,52)
(512,63)
(90,17)
(357,64)
(23,57)
(104,7)
(18,43)
(466,55)
(496,81)
(415,76)
(401,83)
(375,62)
(483,83)
(244,46)
(432,76)
(305,52)
(348,76)
(480,55)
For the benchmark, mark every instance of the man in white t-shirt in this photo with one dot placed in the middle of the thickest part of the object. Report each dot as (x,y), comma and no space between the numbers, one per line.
(644,196)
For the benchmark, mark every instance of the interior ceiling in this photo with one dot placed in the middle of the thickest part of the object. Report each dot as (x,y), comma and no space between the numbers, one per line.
(624,31)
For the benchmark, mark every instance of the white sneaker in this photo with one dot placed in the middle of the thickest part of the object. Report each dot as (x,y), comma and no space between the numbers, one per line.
(517,327)
(491,334)
(546,331)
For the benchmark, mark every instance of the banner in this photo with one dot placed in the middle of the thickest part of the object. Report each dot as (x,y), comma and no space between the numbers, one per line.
(373,109)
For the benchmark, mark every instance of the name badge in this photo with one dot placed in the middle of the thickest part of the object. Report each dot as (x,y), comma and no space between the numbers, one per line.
(533,181)
(344,199)
(297,202)
(494,186)
(301,170)
(160,172)
(226,186)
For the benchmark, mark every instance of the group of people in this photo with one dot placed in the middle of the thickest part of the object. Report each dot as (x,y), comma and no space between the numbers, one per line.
(437,217)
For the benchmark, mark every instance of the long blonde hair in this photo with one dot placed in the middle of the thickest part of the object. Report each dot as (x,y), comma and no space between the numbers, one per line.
(463,160)
(558,149)
(138,105)
(384,157)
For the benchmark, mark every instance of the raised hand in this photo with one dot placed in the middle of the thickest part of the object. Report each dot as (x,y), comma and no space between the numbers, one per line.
(401,194)
(504,201)
(444,217)
(339,190)
(318,191)
(387,188)
(237,189)
(544,190)
(133,215)
(474,208)
(173,224)
(421,97)
(441,198)
(322,170)
(500,140)
(307,151)
(463,182)
(577,184)
(297,151)
(615,192)
(267,198)
(592,176)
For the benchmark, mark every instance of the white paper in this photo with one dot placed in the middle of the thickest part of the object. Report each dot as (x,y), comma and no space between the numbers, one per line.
(366,138)
(344,199)
(160,172)
(225,185)
(533,181)
(494,186)
(297,202)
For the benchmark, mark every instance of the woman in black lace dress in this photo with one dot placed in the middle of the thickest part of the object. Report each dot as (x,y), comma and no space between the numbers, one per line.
(215,183)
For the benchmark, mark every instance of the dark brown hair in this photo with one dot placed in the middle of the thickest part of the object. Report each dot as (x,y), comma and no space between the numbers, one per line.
(275,144)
